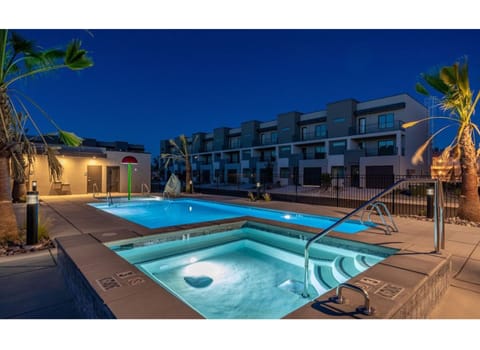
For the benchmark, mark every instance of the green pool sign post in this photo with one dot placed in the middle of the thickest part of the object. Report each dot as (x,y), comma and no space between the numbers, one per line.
(129,160)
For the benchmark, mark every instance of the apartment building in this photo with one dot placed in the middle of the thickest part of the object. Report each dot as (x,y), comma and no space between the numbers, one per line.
(347,139)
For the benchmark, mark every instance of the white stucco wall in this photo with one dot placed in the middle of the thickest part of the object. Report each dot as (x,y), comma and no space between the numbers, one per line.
(75,172)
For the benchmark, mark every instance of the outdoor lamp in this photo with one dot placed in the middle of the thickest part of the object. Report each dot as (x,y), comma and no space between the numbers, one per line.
(34,185)
(129,160)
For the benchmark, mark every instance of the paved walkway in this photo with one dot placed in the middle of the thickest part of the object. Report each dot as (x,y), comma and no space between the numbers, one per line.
(31,286)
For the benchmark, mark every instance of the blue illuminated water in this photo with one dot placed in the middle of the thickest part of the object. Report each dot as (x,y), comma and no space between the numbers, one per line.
(247,273)
(156,213)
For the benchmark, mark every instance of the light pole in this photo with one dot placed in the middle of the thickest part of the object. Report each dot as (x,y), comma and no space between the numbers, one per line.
(32,215)
(129,160)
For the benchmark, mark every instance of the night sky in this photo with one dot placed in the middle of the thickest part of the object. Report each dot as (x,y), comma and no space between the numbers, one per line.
(148,85)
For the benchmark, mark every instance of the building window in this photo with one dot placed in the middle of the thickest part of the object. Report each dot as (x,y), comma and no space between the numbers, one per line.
(385,121)
(284,173)
(263,139)
(386,147)
(234,142)
(362,126)
(247,172)
(285,151)
(208,146)
(274,137)
(246,154)
(218,156)
(304,133)
(338,147)
(338,171)
(232,157)
(319,152)
(321,130)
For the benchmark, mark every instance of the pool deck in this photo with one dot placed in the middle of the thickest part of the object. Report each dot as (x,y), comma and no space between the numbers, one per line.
(402,286)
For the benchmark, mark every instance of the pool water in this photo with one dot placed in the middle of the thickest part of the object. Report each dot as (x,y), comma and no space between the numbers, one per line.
(248,272)
(156,213)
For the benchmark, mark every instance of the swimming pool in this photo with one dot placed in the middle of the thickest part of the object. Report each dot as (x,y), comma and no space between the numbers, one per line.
(156,213)
(251,272)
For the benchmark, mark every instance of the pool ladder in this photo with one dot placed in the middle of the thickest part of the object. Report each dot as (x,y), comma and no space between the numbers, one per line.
(109,199)
(145,189)
(378,206)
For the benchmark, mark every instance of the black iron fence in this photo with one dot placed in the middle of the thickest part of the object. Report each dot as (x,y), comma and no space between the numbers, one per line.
(344,191)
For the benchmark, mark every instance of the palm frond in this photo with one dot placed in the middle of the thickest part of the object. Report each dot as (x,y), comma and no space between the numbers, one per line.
(75,57)
(415,122)
(418,155)
(421,89)
(3,52)
(435,82)
(54,166)
(69,138)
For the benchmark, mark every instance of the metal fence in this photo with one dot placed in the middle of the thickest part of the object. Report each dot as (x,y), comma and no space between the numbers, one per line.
(346,191)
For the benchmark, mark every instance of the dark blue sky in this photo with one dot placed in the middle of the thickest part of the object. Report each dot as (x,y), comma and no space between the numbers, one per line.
(148,85)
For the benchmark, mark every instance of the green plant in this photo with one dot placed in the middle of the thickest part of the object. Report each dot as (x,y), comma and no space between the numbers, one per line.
(267,197)
(20,60)
(44,226)
(251,196)
(453,85)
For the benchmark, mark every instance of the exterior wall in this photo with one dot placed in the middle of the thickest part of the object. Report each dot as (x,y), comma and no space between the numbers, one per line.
(220,138)
(250,135)
(74,178)
(287,126)
(340,117)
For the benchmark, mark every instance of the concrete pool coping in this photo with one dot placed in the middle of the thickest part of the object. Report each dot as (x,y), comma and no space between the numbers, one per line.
(405,285)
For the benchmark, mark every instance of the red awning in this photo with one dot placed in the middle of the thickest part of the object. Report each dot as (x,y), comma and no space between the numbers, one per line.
(129,160)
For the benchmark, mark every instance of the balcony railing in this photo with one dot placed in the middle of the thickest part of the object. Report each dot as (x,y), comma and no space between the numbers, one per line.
(313,155)
(382,151)
(309,136)
(375,127)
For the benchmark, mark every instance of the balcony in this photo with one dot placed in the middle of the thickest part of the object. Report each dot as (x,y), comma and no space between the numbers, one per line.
(313,155)
(310,136)
(266,141)
(375,128)
(233,144)
(382,151)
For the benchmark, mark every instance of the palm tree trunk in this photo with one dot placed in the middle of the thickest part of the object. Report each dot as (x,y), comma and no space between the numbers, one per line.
(8,220)
(469,208)
(19,191)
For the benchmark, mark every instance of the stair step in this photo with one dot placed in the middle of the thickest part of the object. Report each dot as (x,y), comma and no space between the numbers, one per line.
(325,277)
(363,262)
(345,266)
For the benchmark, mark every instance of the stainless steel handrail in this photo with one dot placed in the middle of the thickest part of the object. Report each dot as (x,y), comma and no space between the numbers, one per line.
(438,222)
(366,309)
(145,186)
(109,198)
(95,190)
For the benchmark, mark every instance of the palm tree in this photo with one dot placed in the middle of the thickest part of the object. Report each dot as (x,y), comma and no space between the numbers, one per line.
(20,59)
(181,152)
(458,99)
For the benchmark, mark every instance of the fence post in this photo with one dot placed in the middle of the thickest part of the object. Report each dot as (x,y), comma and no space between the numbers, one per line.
(337,187)
(393,202)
